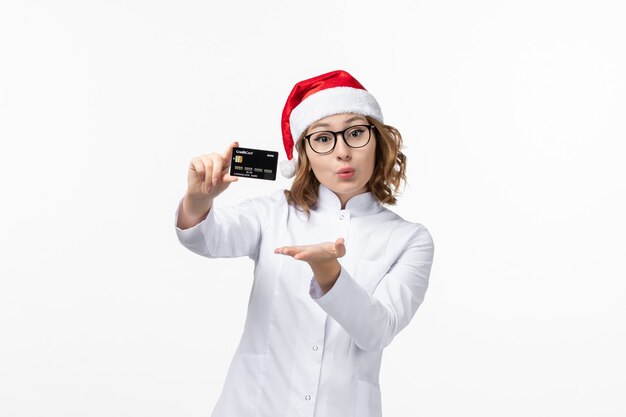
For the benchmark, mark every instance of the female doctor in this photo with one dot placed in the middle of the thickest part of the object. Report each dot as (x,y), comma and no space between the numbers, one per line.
(337,275)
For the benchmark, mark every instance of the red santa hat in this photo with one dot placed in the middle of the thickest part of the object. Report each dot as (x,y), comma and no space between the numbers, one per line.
(318,97)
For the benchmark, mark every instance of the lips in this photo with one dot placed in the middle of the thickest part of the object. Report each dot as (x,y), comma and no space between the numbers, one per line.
(345,170)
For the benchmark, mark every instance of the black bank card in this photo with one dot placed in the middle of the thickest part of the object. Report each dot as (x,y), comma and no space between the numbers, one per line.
(254,163)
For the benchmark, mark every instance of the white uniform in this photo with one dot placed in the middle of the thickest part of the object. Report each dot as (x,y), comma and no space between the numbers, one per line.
(304,353)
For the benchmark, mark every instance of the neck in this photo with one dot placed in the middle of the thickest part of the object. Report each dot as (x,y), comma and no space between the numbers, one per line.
(343,198)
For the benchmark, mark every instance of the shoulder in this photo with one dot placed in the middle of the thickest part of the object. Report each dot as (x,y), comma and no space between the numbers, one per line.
(264,203)
(413,233)
(264,206)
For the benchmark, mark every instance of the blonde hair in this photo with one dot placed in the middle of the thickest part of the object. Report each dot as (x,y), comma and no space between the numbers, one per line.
(389,170)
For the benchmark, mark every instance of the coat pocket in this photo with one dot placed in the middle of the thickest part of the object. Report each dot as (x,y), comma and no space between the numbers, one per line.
(368,403)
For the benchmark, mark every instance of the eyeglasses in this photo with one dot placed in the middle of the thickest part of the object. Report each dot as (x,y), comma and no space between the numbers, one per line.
(324,142)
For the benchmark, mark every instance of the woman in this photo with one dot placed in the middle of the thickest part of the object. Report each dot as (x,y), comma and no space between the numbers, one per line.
(337,275)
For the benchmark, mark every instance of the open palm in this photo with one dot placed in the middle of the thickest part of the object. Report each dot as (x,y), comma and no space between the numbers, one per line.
(318,253)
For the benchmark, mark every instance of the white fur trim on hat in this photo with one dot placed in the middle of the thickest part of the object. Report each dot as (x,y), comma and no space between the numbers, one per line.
(332,101)
(288,167)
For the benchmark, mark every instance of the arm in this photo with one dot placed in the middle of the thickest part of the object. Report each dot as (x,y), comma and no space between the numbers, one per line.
(373,320)
(206,230)
(226,232)
(322,258)
(192,211)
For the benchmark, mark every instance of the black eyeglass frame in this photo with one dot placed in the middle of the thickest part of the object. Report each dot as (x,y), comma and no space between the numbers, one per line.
(369,131)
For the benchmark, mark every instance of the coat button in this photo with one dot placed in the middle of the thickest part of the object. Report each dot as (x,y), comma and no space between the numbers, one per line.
(315,348)
(307,397)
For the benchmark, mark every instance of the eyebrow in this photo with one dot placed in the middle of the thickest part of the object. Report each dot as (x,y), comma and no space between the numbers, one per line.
(352,119)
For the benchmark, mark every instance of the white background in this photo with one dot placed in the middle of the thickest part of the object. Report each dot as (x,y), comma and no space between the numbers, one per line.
(513,118)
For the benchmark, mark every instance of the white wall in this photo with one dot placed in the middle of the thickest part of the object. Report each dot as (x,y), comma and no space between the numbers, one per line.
(513,117)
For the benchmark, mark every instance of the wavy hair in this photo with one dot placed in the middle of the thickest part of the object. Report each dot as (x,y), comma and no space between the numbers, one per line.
(389,170)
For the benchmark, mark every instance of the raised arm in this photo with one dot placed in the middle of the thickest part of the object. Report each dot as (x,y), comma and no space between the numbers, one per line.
(207,177)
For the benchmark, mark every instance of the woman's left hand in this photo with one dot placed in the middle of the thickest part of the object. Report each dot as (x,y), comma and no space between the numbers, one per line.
(321,257)
(318,253)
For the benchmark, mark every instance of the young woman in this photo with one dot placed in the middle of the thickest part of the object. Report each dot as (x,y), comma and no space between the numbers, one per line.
(337,275)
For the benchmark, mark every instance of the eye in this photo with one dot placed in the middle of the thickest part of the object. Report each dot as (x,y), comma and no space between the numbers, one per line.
(322,138)
(356,132)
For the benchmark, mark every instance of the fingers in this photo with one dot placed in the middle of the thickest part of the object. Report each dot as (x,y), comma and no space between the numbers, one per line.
(315,253)
(208,175)
(304,255)
(228,154)
(227,158)
(287,250)
(208,169)
(198,166)
(340,247)
(218,163)
(230,178)
(296,252)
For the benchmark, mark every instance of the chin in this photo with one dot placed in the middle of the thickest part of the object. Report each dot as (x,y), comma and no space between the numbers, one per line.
(347,187)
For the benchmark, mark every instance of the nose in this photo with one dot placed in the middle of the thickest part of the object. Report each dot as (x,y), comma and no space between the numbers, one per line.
(342,151)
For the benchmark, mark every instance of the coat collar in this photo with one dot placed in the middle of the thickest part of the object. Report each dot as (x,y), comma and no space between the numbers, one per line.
(359,205)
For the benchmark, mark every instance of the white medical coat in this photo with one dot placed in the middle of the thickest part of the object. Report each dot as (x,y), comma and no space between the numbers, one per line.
(304,353)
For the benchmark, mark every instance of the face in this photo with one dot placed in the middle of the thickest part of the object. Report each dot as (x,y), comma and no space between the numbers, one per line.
(346,171)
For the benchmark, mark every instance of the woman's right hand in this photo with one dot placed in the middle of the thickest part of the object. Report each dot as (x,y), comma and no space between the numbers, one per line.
(208,175)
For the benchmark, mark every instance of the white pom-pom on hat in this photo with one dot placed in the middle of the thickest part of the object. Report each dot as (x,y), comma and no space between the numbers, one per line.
(318,97)
(288,168)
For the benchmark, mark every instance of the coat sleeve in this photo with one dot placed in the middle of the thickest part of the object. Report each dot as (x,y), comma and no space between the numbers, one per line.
(228,232)
(373,320)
